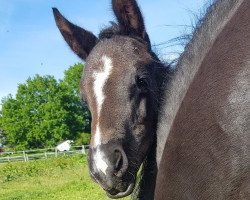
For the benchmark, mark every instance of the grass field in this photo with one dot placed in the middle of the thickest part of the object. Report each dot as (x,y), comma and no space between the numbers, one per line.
(62,178)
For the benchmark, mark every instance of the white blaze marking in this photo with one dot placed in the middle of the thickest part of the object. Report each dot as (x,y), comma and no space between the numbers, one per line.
(100,80)
(101,165)
(99,83)
(97,138)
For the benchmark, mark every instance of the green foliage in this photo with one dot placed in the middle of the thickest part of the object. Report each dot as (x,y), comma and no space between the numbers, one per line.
(2,136)
(83,139)
(79,113)
(2,133)
(45,111)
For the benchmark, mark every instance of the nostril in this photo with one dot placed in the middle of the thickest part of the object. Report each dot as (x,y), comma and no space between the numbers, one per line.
(120,164)
(118,160)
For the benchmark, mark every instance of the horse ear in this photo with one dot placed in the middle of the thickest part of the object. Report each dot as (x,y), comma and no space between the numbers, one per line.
(80,40)
(130,18)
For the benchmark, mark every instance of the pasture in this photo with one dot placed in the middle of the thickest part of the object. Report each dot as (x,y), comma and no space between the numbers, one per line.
(61,178)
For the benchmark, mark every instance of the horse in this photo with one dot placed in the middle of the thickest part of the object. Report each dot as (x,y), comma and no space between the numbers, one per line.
(204,127)
(188,128)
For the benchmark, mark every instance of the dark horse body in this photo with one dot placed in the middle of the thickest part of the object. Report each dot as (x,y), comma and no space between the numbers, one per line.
(189,127)
(207,153)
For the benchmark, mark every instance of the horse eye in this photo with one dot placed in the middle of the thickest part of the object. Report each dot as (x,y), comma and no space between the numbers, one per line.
(142,83)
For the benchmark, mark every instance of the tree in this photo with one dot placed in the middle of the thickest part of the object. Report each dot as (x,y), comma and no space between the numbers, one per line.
(80,118)
(2,134)
(45,111)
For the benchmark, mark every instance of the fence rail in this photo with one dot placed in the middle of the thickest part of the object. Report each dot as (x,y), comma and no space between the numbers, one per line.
(36,154)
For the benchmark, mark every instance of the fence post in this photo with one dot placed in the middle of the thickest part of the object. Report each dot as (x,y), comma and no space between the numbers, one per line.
(24,156)
(55,152)
(83,149)
(27,157)
(45,154)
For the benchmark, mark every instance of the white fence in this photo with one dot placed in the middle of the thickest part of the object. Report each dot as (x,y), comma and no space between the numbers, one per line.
(36,154)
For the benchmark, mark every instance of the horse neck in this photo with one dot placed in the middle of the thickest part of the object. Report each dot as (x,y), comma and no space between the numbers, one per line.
(188,65)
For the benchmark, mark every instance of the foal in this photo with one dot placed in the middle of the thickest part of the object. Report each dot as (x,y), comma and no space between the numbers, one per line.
(122,84)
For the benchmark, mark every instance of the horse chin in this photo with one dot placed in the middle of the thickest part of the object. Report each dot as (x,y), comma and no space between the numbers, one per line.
(115,194)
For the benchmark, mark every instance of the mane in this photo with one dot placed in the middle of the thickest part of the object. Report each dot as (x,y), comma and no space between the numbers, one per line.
(182,40)
(203,38)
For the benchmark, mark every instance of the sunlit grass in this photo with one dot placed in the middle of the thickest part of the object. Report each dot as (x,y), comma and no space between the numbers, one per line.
(56,178)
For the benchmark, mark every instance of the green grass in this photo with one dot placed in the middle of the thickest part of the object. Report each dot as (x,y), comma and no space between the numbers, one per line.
(63,178)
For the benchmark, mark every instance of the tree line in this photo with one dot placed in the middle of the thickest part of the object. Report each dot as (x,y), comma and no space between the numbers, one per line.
(44,112)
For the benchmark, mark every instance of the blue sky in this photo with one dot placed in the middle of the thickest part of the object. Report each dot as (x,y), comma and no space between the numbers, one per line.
(31,44)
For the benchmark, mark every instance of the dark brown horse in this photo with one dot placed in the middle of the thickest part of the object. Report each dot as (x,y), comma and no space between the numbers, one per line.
(205,119)
(190,125)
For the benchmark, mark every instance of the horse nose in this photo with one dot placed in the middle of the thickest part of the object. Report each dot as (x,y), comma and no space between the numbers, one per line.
(107,162)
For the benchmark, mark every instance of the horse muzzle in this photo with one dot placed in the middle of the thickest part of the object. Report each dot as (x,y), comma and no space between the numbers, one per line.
(108,165)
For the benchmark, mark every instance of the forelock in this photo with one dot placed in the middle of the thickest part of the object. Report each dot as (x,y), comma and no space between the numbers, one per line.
(110,31)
